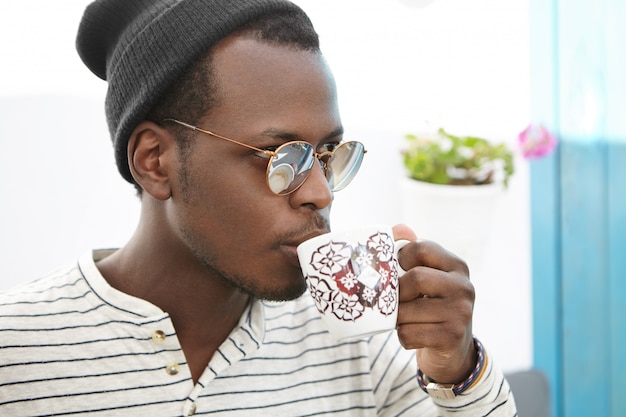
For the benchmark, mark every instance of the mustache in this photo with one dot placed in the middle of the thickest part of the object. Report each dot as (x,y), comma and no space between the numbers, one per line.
(316,224)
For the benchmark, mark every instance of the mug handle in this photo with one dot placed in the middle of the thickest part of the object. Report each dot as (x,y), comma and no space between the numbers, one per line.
(399,244)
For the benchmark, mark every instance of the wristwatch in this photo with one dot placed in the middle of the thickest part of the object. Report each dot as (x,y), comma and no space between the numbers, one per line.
(450,391)
(439,391)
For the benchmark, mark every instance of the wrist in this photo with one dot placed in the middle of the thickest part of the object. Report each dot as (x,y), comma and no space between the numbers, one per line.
(447,391)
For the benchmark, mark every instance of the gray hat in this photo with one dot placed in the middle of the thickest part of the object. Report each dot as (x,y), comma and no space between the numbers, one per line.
(141,46)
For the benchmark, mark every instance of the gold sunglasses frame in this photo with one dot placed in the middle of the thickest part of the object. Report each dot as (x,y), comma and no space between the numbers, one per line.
(323,157)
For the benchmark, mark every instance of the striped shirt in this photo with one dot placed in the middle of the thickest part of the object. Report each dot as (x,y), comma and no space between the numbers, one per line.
(71,344)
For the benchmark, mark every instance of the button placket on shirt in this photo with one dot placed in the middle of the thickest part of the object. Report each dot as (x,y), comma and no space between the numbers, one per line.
(159,338)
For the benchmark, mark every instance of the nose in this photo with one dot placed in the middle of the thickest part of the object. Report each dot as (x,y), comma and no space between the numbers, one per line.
(314,191)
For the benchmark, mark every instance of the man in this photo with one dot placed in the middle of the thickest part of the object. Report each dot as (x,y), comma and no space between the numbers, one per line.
(201,311)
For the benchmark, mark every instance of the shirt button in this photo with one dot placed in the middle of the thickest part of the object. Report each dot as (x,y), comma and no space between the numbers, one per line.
(158,336)
(172,368)
(192,410)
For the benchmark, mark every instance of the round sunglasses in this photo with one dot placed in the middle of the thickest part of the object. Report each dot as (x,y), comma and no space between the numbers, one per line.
(291,163)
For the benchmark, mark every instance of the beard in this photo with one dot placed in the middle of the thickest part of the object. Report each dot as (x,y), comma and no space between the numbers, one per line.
(252,283)
(253,286)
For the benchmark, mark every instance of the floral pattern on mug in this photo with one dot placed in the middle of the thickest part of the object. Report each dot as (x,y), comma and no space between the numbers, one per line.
(330,259)
(382,245)
(352,279)
(387,301)
(321,293)
(347,306)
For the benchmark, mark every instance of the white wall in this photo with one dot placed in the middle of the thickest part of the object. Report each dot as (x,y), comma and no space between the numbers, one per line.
(455,63)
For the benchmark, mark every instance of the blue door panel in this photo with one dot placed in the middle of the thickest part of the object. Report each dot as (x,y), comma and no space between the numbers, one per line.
(578,204)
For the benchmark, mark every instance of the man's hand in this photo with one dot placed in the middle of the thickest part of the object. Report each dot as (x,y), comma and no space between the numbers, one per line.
(435,312)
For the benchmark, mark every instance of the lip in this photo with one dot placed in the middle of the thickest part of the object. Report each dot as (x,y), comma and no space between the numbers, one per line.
(302,239)
(290,248)
(292,254)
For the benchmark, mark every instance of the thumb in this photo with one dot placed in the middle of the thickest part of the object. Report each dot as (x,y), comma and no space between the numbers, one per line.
(403,232)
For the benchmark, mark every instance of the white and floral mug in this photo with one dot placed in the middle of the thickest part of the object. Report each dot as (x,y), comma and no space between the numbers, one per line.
(352,276)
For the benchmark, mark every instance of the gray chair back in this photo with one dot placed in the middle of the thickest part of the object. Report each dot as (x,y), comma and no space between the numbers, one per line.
(532,393)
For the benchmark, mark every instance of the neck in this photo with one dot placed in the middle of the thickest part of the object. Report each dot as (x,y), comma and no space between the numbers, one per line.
(203,307)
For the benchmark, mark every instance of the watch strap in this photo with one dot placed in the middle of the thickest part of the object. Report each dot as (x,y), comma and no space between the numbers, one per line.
(450,391)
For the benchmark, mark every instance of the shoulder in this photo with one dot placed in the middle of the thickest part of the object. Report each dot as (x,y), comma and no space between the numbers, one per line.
(62,284)
(30,311)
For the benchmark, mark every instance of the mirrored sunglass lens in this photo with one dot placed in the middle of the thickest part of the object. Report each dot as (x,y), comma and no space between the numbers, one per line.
(344,164)
(290,167)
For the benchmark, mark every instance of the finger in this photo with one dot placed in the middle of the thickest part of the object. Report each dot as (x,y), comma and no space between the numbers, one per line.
(423,310)
(403,232)
(434,322)
(424,281)
(437,310)
(430,254)
(430,335)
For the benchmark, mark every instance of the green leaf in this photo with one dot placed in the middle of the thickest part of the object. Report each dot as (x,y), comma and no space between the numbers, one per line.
(430,159)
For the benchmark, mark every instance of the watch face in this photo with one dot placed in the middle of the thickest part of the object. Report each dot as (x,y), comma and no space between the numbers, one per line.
(441,392)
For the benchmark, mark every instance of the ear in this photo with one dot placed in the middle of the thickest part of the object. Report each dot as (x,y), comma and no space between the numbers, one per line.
(151,158)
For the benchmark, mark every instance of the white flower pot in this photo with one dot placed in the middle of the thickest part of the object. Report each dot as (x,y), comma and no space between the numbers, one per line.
(458,217)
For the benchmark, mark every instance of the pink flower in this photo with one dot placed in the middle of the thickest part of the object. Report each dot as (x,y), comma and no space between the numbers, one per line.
(536,141)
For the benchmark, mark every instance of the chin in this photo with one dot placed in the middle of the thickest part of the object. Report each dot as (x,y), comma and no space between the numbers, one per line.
(290,286)
(286,289)
(281,294)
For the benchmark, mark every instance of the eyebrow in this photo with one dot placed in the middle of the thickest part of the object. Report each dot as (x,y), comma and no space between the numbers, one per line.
(290,137)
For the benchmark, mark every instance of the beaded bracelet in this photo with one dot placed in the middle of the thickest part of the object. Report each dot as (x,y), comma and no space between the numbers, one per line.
(449,391)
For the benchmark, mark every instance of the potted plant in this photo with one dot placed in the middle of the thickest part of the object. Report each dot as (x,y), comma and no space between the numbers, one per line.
(444,158)
(452,187)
